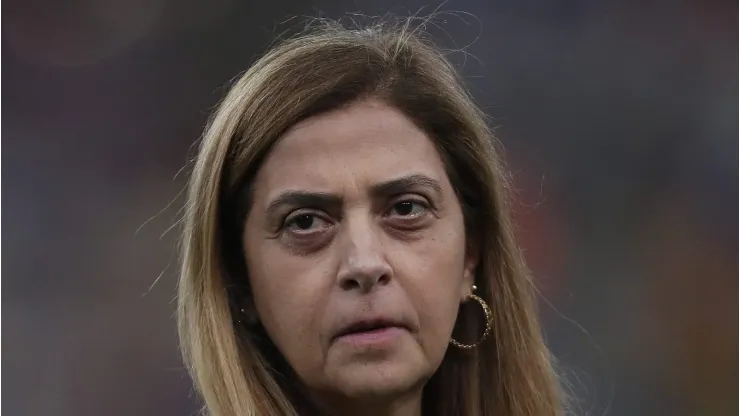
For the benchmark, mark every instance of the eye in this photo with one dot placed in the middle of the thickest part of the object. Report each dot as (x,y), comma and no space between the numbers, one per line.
(304,223)
(408,208)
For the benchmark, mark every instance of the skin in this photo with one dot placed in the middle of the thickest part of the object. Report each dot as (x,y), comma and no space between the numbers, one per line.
(354,217)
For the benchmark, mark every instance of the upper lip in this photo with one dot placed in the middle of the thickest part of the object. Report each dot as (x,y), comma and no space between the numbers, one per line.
(367,324)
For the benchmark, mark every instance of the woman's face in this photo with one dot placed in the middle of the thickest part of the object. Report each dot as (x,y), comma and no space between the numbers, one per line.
(356,252)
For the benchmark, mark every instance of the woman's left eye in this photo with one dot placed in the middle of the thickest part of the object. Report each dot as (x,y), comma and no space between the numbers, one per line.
(408,208)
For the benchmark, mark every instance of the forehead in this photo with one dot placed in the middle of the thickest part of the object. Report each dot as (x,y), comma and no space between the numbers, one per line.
(365,143)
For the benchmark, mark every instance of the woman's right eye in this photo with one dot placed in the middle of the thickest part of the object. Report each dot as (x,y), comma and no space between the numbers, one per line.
(305,223)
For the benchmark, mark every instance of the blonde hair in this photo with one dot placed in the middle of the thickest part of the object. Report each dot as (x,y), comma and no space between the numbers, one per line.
(326,67)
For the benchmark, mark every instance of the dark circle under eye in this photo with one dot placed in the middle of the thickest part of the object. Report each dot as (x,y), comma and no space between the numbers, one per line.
(404,208)
(304,222)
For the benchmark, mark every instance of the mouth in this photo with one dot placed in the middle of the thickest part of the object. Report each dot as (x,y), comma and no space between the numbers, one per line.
(370,327)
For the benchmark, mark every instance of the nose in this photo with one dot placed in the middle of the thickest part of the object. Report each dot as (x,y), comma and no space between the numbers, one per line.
(364,265)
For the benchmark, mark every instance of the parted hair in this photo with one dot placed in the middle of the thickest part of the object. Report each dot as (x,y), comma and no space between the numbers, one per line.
(327,66)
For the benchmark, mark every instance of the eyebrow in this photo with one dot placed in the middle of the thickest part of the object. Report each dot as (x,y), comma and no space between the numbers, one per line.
(405,184)
(305,199)
(329,201)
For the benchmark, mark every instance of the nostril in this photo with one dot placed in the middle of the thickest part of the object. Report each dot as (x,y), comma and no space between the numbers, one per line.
(384,279)
(364,283)
(350,284)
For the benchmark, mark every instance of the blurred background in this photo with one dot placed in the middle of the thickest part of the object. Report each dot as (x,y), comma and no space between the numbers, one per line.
(619,118)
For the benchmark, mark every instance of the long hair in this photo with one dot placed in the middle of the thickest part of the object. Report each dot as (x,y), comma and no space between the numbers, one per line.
(324,68)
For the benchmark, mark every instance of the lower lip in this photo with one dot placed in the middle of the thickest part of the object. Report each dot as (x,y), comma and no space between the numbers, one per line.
(372,338)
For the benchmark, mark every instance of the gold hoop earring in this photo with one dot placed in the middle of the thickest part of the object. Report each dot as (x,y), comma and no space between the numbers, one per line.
(489,324)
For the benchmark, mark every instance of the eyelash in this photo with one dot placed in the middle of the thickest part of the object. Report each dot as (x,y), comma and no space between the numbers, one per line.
(293,216)
(423,203)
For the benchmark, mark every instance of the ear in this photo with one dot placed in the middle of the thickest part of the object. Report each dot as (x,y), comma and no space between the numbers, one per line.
(243,306)
(248,311)
(472,258)
(247,316)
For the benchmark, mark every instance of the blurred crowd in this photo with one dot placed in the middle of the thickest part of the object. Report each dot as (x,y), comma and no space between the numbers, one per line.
(619,120)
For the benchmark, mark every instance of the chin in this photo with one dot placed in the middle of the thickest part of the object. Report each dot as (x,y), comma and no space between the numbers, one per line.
(370,379)
(385,369)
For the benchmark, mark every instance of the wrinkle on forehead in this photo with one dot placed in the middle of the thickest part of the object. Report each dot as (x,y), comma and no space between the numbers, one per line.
(347,150)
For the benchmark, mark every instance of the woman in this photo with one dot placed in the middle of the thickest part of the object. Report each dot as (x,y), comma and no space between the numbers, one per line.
(347,247)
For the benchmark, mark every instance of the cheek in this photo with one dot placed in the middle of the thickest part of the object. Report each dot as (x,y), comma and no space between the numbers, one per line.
(432,274)
(290,297)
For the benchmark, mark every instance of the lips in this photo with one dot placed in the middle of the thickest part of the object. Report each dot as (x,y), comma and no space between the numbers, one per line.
(368,326)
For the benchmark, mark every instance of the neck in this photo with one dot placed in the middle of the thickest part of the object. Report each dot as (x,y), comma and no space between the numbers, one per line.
(399,406)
